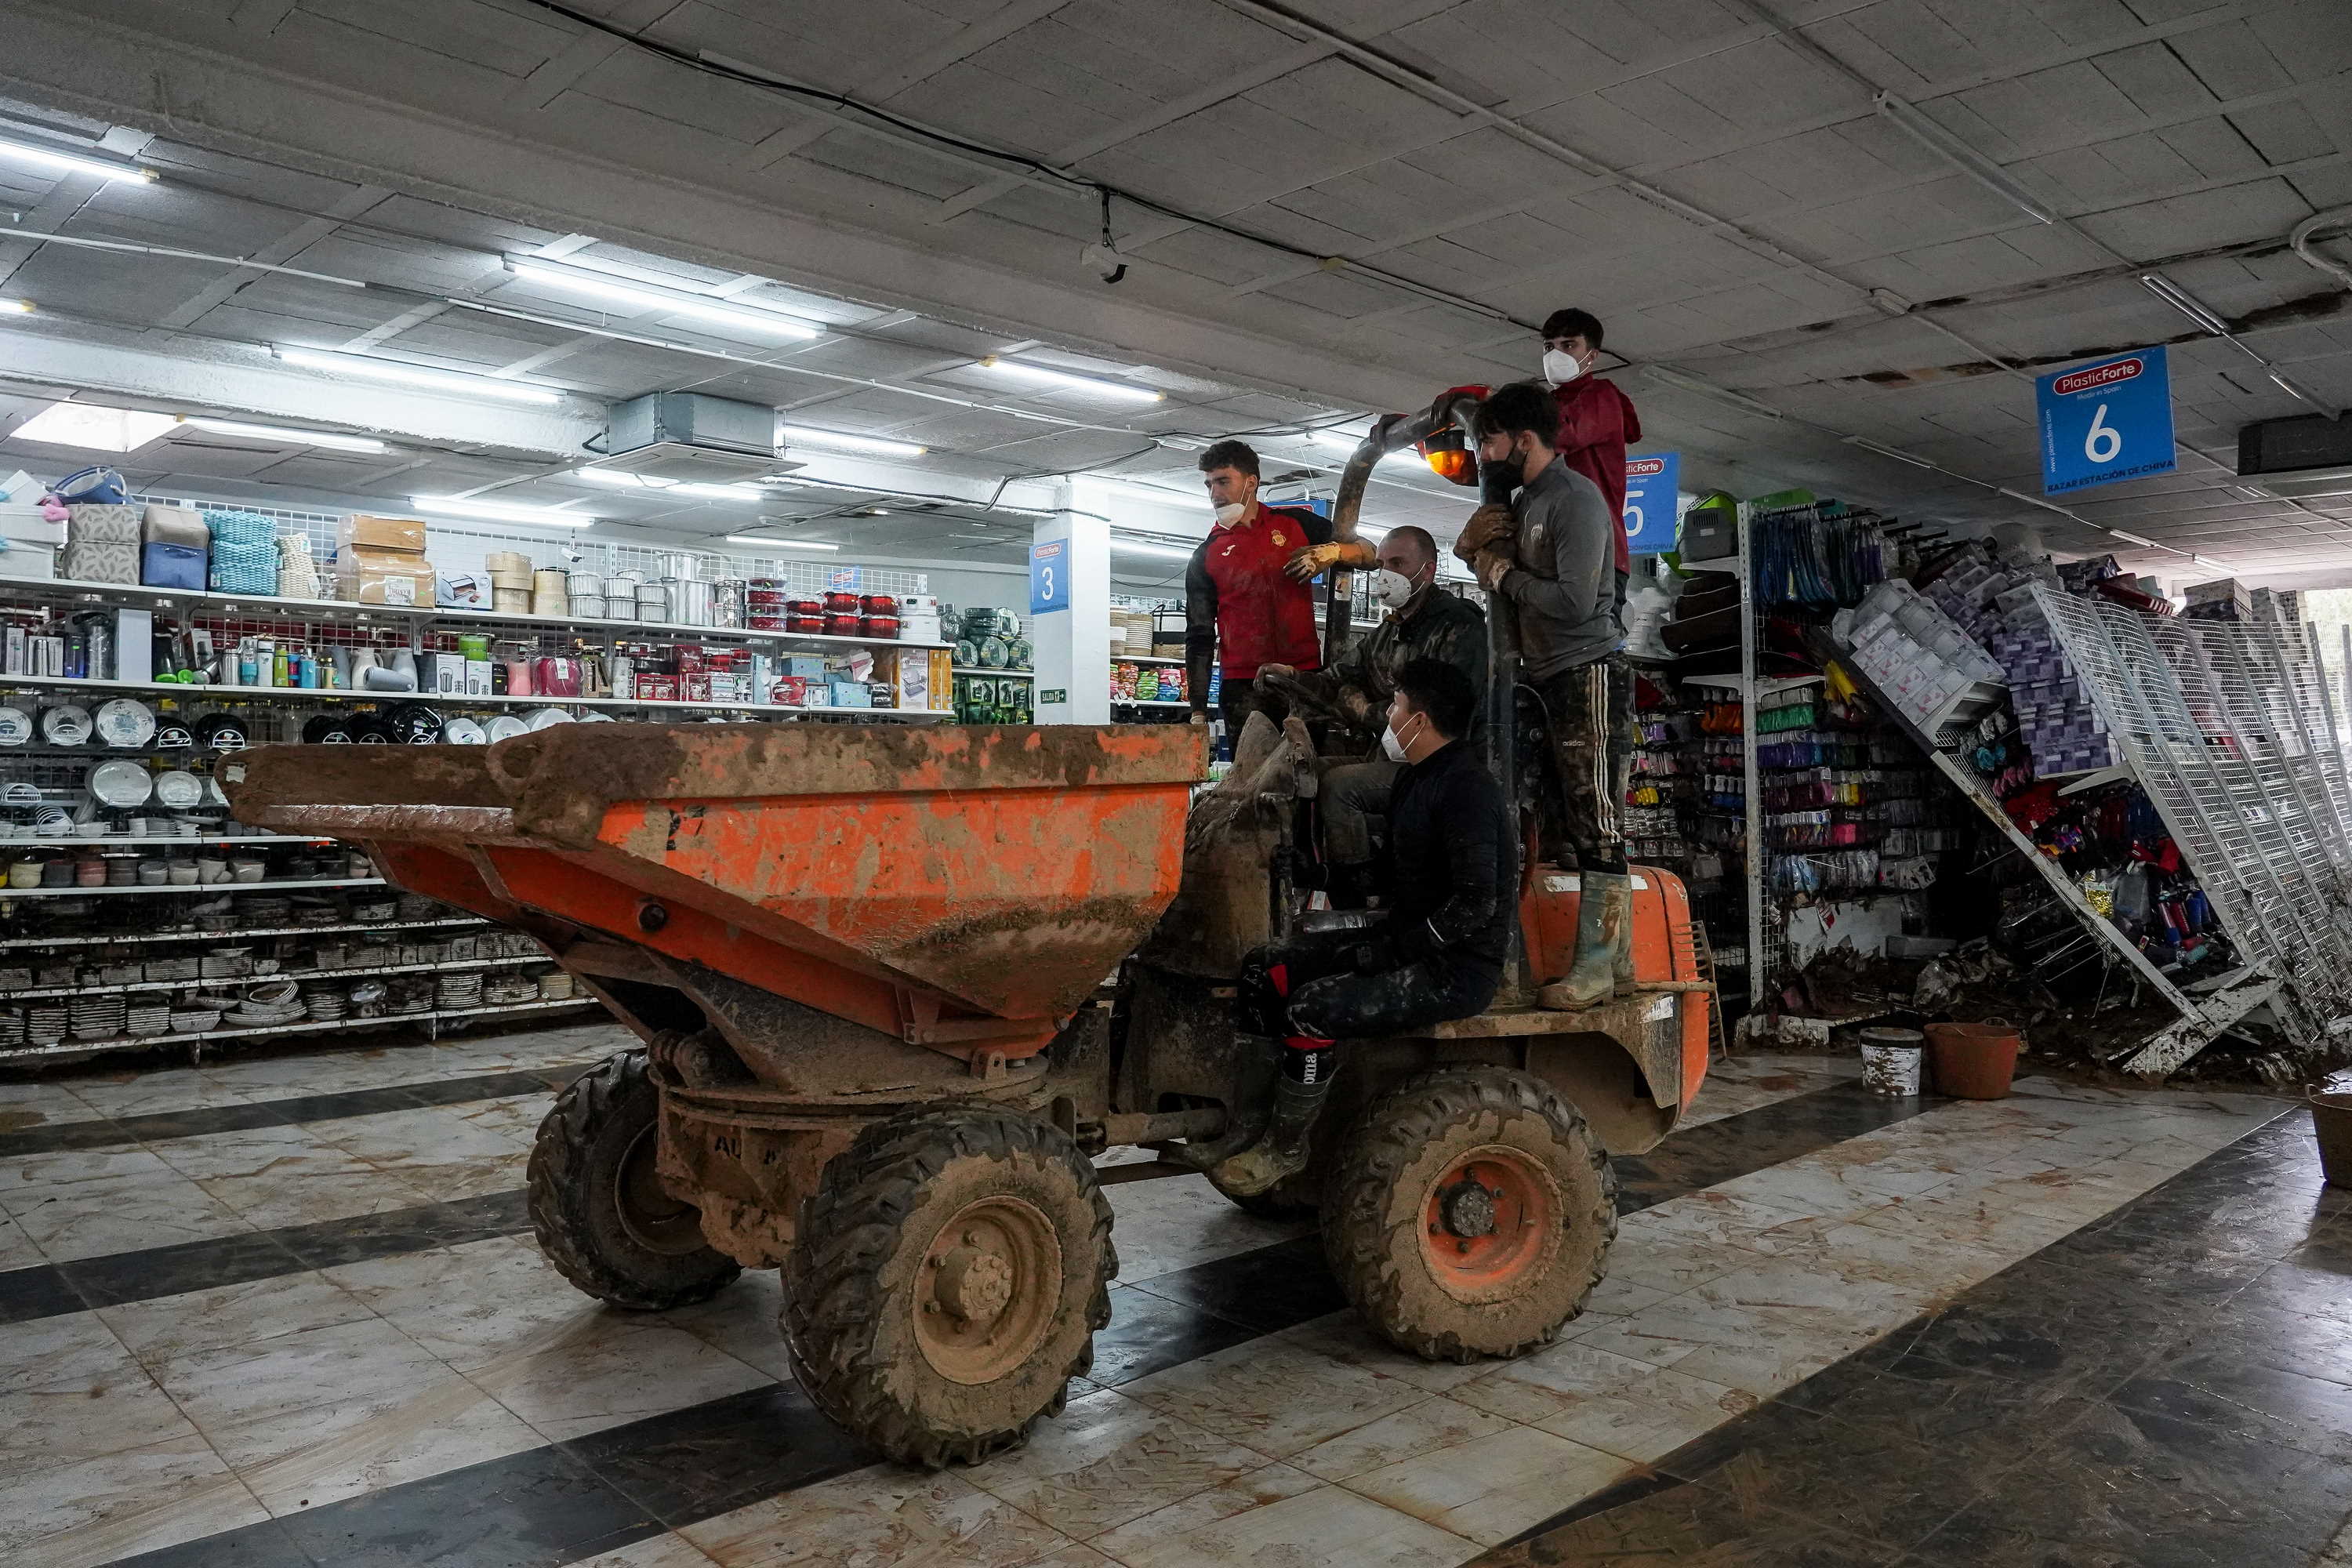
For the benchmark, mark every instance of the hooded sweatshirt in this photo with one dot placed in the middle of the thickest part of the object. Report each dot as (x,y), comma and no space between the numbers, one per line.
(1596,422)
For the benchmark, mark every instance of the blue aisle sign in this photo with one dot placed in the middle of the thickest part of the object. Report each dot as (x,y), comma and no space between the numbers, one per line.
(1049,578)
(2104,422)
(1651,509)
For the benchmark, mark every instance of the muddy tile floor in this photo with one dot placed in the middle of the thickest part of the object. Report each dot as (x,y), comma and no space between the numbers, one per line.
(286,1311)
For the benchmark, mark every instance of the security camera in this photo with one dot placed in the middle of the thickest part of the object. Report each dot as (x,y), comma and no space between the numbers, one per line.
(1108,264)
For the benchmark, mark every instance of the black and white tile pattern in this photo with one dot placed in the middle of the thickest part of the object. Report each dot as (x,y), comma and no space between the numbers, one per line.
(287,1313)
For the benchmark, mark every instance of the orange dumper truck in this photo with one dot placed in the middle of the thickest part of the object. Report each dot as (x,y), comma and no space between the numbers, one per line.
(895,984)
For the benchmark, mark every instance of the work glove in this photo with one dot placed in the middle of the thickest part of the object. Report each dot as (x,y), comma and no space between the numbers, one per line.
(1311,562)
(1491,526)
(1492,566)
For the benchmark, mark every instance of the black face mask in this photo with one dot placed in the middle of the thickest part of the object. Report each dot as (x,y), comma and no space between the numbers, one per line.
(1499,478)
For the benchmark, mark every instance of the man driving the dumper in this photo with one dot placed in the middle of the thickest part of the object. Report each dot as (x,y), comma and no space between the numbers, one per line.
(1436,953)
(1551,555)
(1246,599)
(1423,621)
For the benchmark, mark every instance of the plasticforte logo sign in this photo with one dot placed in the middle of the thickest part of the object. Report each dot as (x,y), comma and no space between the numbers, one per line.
(2098,375)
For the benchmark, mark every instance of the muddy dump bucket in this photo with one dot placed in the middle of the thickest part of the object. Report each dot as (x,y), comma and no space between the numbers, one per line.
(1973,1061)
(2331,1118)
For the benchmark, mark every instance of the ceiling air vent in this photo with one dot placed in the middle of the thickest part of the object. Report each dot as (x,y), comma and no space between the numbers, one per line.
(2297,459)
(691,437)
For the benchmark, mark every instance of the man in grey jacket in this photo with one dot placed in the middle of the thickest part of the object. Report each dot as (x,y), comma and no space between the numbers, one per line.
(1553,557)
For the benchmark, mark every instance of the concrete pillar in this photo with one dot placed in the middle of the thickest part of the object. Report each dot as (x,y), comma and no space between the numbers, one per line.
(1070,608)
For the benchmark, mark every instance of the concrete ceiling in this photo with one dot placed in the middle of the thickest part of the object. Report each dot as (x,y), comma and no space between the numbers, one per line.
(1326,209)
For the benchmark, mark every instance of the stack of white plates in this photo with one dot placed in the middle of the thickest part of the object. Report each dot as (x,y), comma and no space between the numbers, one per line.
(459,990)
(325,1002)
(100,1017)
(149,1014)
(194,1020)
(45,1023)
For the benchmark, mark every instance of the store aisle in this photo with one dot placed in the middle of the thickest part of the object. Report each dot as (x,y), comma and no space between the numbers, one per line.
(288,1311)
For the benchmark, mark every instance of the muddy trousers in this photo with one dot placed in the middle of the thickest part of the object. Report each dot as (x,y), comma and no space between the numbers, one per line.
(1588,713)
(1323,986)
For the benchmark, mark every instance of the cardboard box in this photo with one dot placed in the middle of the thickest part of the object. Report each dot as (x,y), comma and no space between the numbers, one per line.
(443,674)
(478,678)
(365,576)
(906,675)
(404,534)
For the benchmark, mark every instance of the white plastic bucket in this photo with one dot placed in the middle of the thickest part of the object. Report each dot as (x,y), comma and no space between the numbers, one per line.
(1890,1060)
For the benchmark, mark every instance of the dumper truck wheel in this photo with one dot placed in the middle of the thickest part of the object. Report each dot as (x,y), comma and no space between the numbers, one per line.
(1470,1213)
(954,1263)
(601,1215)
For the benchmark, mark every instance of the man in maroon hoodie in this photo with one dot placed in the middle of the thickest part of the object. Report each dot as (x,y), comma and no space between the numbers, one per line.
(1597,421)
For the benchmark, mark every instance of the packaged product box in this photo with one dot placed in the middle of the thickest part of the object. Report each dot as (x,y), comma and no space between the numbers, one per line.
(657,687)
(790,690)
(691,658)
(882,695)
(478,678)
(405,535)
(695,688)
(807,667)
(906,674)
(366,576)
(942,664)
(852,694)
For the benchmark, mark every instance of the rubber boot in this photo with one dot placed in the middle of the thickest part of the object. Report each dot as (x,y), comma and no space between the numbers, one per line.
(1283,1152)
(1625,977)
(1603,931)
(1299,1097)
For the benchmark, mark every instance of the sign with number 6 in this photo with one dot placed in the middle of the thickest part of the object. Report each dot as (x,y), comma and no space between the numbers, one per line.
(2106,421)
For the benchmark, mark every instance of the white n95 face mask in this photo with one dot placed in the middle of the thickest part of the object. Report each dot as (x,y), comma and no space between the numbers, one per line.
(1560,367)
(1393,589)
(1229,513)
(1391,747)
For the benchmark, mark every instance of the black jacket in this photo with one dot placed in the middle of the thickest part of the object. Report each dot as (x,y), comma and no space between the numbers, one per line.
(1442,626)
(1452,879)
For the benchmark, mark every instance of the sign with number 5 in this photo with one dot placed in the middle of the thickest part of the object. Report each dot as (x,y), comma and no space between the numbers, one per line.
(2106,421)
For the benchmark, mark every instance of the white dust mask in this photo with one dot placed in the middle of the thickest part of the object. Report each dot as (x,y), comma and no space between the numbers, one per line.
(1560,367)
(1230,513)
(1393,589)
(1391,747)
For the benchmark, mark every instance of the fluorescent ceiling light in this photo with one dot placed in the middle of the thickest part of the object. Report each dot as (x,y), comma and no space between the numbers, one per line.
(1149,547)
(2279,378)
(653,297)
(464,506)
(75,163)
(779,544)
(1869,445)
(809,435)
(1965,158)
(1328,436)
(93,428)
(417,375)
(1188,500)
(1076,382)
(1722,394)
(2182,301)
(278,432)
(2131,538)
(20,307)
(720,493)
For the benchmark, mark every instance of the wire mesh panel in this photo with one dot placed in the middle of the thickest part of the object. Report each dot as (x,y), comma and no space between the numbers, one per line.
(2212,716)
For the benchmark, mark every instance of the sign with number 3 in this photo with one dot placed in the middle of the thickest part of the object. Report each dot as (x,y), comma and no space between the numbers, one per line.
(2106,421)
(1049,582)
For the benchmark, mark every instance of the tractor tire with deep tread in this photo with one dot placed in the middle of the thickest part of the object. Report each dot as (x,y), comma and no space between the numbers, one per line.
(599,1215)
(1443,1264)
(894,1225)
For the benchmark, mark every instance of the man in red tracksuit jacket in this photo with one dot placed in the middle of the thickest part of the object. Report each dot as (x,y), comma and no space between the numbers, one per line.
(1597,421)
